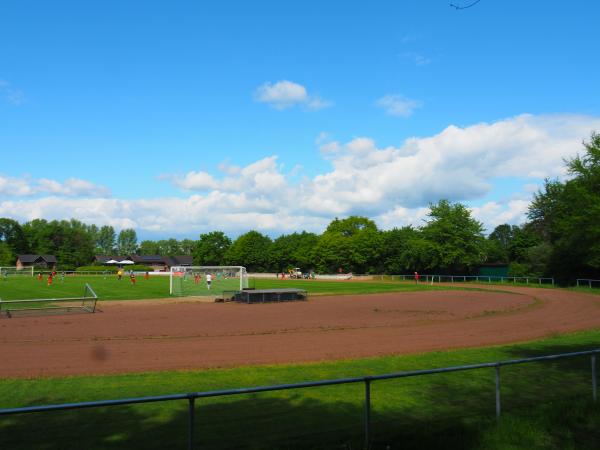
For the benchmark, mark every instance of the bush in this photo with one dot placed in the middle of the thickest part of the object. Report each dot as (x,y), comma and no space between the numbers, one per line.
(138,268)
(111,269)
(114,269)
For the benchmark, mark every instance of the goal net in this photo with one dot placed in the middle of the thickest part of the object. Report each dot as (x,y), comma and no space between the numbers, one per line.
(9,271)
(43,306)
(206,280)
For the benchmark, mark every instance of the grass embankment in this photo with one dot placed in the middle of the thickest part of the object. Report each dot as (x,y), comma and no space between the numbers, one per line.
(109,288)
(545,406)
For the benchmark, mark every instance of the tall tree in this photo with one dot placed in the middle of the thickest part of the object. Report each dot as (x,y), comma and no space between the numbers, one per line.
(106,240)
(252,250)
(187,247)
(352,244)
(211,248)
(127,242)
(13,238)
(294,250)
(456,236)
(149,248)
(569,215)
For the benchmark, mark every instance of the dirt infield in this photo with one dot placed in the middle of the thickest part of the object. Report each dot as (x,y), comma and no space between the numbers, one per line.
(149,336)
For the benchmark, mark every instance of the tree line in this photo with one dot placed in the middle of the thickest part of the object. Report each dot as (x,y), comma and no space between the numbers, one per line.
(560,239)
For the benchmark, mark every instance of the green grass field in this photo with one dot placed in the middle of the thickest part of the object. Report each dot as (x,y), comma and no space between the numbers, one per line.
(109,288)
(545,406)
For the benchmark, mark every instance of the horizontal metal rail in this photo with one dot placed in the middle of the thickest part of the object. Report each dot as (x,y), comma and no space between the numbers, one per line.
(590,282)
(467,278)
(367,380)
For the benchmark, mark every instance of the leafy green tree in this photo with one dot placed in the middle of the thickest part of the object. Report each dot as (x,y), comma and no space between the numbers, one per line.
(69,240)
(569,215)
(404,250)
(211,248)
(353,244)
(523,238)
(106,240)
(294,250)
(149,248)
(499,242)
(169,247)
(187,247)
(252,250)
(7,257)
(12,235)
(457,238)
(127,242)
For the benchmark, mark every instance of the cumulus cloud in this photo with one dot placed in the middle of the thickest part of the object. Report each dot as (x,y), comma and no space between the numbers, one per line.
(398,105)
(285,94)
(393,184)
(72,187)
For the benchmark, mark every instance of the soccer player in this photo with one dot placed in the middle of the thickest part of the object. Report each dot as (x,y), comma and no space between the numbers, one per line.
(196,278)
(417,276)
(50,278)
(132,278)
(119,274)
(208,280)
(39,277)
(146,276)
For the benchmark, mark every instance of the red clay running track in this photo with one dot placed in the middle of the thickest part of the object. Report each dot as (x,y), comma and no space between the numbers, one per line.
(149,336)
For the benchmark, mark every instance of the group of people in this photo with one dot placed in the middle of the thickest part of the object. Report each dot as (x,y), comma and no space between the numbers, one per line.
(132,277)
(51,277)
(198,279)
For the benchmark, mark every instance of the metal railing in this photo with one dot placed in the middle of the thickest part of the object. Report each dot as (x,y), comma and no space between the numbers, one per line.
(469,278)
(590,283)
(367,380)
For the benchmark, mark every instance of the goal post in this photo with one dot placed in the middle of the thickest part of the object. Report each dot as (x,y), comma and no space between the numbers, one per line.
(206,280)
(13,270)
(42,306)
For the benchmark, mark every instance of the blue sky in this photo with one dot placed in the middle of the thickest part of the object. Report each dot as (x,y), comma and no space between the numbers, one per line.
(181,117)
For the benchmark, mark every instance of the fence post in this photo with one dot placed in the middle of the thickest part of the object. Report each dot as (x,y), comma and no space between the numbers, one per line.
(191,411)
(594,382)
(367,412)
(498,408)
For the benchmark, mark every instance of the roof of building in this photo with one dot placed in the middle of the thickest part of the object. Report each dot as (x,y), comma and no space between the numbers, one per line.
(35,258)
(104,258)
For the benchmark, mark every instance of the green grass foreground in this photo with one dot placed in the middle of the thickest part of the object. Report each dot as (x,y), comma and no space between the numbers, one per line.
(546,405)
(110,288)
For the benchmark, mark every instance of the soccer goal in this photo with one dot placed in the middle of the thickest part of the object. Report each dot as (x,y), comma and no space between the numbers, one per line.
(43,306)
(206,280)
(6,272)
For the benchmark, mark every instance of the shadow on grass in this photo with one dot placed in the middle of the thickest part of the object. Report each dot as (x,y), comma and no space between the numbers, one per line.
(545,405)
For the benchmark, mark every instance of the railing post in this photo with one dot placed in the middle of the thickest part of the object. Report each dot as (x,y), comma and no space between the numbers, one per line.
(498,407)
(594,381)
(191,411)
(367,412)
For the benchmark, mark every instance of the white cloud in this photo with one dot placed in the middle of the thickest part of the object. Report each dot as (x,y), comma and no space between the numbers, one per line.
(417,58)
(72,187)
(398,105)
(18,187)
(11,94)
(285,94)
(393,185)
